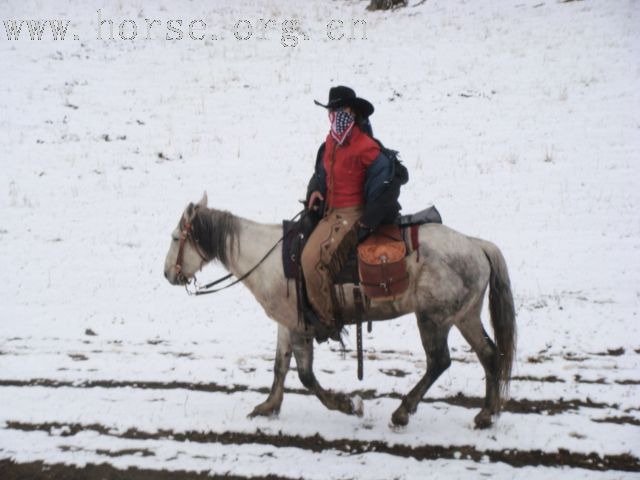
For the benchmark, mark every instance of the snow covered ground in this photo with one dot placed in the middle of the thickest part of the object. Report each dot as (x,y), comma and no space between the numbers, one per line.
(517,118)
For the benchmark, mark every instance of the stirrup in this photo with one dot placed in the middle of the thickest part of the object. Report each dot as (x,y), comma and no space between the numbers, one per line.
(321,331)
(324,332)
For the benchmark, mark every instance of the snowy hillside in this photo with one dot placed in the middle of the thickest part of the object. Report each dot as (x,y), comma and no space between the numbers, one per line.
(517,118)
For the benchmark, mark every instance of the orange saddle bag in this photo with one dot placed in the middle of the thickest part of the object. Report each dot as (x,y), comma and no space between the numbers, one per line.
(381,264)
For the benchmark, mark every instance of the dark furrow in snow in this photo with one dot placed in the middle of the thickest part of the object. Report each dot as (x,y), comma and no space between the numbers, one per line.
(10,470)
(522,405)
(316,443)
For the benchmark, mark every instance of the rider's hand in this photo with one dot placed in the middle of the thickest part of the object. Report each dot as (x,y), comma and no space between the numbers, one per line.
(313,199)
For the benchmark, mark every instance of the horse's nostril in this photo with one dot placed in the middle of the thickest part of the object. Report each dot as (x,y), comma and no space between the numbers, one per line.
(166,275)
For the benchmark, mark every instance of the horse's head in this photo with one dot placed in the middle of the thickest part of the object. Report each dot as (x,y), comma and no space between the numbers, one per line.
(186,255)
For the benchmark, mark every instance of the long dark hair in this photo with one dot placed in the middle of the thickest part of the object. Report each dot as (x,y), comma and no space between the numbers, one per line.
(364,124)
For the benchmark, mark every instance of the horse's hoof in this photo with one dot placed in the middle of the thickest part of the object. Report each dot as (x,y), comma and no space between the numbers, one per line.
(400,418)
(357,406)
(263,410)
(396,428)
(483,420)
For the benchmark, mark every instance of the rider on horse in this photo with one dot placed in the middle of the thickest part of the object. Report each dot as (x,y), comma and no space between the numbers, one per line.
(354,189)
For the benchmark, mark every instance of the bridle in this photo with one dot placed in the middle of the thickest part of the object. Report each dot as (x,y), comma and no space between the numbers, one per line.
(186,234)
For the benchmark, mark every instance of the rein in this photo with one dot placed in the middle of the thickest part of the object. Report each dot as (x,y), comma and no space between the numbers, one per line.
(207,289)
(204,290)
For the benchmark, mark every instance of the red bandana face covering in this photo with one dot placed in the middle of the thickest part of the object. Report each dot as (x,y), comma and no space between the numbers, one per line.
(341,124)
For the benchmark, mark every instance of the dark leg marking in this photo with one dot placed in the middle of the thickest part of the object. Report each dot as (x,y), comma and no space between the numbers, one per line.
(303,352)
(434,340)
(475,334)
(271,406)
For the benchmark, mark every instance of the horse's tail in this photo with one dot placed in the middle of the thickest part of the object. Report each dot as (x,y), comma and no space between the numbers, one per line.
(503,314)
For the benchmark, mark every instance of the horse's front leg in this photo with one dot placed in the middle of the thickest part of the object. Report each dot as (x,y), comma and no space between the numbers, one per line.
(303,351)
(271,406)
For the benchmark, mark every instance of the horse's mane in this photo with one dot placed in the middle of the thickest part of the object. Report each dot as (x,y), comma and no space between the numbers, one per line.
(216,232)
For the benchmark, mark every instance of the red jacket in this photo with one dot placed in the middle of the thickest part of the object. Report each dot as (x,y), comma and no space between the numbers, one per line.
(346,167)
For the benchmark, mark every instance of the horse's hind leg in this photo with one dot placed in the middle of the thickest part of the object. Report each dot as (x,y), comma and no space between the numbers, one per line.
(272,405)
(434,341)
(474,333)
(303,352)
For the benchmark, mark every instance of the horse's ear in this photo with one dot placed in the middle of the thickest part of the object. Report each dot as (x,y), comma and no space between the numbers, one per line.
(189,213)
(203,201)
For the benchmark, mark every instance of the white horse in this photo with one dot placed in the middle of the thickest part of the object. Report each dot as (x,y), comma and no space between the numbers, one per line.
(448,280)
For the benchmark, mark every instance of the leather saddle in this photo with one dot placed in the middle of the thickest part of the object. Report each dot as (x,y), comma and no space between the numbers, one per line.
(404,229)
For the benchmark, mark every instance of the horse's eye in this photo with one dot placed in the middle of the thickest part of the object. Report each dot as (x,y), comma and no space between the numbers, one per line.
(175,238)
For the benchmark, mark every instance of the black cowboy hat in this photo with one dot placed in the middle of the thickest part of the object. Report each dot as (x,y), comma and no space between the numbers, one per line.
(341,96)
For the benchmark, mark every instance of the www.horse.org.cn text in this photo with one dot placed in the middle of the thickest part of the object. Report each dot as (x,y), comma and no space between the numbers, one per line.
(289,32)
